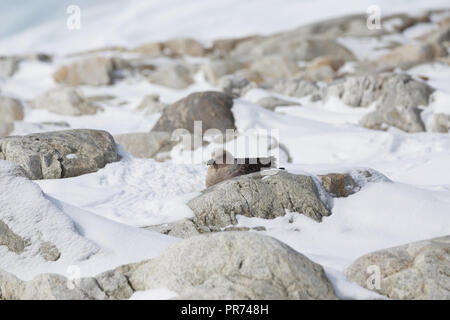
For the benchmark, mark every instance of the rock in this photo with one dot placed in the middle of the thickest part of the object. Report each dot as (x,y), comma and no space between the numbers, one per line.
(114,284)
(153,49)
(5,129)
(292,46)
(150,104)
(8,238)
(260,194)
(233,265)
(297,88)
(419,270)
(408,56)
(339,184)
(215,69)
(323,73)
(331,62)
(175,76)
(49,251)
(404,118)
(94,71)
(65,101)
(185,47)
(275,67)
(212,108)
(272,103)
(390,88)
(10,109)
(60,154)
(239,83)
(348,183)
(146,144)
(440,123)
(8,66)
(181,229)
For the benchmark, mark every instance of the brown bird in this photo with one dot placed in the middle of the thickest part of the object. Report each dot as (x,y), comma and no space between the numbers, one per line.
(224,166)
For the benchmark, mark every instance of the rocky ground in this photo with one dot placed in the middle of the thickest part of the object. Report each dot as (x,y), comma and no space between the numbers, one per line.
(98,201)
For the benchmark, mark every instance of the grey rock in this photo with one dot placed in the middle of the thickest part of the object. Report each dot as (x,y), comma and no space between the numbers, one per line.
(404,118)
(272,103)
(296,88)
(150,104)
(233,265)
(114,284)
(212,108)
(10,109)
(8,66)
(8,238)
(240,82)
(292,46)
(261,194)
(275,66)
(175,76)
(65,101)
(60,154)
(49,251)
(419,270)
(393,90)
(181,229)
(146,144)
(95,71)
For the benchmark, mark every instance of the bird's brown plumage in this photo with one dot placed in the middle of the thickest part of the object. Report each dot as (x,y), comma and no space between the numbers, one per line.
(224,166)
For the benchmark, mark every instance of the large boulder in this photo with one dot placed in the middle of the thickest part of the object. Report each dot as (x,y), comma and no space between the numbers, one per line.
(60,154)
(212,108)
(419,270)
(391,89)
(398,99)
(262,194)
(146,144)
(10,109)
(292,46)
(95,71)
(65,101)
(233,265)
(8,66)
(175,76)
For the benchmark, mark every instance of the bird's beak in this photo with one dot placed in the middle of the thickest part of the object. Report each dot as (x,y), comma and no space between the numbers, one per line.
(210,162)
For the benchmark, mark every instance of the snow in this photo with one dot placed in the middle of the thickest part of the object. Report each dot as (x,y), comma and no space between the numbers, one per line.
(112,23)
(98,215)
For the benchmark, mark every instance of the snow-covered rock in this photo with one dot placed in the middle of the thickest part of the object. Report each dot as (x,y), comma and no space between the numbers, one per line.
(10,109)
(233,265)
(60,154)
(65,101)
(265,194)
(419,270)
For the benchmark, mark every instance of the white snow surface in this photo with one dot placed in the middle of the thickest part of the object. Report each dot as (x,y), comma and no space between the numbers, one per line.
(94,219)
